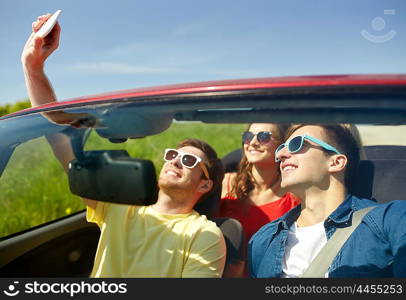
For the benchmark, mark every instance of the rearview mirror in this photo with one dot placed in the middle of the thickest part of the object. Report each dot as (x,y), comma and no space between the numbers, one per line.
(113,176)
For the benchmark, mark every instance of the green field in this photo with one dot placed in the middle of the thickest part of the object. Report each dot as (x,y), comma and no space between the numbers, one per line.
(35,188)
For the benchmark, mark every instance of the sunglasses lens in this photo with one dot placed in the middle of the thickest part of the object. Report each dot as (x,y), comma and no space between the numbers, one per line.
(189,161)
(247,137)
(171,154)
(280,147)
(264,136)
(295,144)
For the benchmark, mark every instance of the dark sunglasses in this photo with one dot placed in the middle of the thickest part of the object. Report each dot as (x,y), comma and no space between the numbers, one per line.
(262,137)
(296,144)
(187,160)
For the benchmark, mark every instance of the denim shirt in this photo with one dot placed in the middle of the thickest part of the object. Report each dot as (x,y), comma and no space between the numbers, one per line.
(377,247)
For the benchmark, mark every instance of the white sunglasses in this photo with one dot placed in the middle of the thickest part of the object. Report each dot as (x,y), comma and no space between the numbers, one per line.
(187,160)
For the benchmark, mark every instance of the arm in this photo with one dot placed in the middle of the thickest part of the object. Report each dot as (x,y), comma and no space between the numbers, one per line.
(227,184)
(395,228)
(40,91)
(35,52)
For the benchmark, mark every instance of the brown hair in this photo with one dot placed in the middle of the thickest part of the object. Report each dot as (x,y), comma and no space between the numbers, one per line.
(244,182)
(342,138)
(208,202)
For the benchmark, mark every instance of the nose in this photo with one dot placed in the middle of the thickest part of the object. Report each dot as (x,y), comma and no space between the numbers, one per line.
(282,154)
(176,162)
(254,141)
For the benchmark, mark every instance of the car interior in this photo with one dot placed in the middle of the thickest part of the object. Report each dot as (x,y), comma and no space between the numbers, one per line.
(65,247)
(380,177)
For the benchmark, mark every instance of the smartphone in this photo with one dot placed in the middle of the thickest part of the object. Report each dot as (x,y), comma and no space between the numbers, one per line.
(49,24)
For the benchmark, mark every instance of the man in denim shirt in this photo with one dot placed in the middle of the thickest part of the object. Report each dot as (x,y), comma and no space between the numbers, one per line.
(317,165)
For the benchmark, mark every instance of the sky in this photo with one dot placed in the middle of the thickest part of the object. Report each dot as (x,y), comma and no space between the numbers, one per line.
(123,44)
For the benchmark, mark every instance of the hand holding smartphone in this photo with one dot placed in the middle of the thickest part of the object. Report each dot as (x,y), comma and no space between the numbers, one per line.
(48,25)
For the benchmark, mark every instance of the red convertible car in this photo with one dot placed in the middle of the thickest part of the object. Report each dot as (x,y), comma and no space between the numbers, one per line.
(117,139)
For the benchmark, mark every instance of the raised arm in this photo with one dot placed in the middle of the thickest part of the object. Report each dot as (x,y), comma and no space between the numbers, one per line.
(35,52)
(40,91)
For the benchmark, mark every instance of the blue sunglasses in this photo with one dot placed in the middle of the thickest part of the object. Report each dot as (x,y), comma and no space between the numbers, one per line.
(295,145)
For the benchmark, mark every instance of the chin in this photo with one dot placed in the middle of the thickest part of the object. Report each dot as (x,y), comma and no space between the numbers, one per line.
(165,184)
(255,160)
(286,184)
(168,188)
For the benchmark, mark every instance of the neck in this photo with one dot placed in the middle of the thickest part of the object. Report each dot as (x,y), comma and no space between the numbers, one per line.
(317,205)
(266,178)
(266,185)
(170,203)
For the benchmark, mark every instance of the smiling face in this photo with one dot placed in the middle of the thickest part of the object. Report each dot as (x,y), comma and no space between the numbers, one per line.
(309,167)
(262,153)
(175,177)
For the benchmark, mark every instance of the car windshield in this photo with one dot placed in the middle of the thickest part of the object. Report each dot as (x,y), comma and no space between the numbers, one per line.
(32,177)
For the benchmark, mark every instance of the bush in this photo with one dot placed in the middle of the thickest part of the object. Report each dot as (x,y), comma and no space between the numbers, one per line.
(10,108)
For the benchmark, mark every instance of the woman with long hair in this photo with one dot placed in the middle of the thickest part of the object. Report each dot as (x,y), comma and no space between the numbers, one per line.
(253,194)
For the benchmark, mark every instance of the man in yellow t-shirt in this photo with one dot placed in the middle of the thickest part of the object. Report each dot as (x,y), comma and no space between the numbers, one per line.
(167,239)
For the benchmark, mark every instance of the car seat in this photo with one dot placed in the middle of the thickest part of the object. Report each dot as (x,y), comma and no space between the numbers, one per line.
(231,160)
(381,179)
(385,152)
(234,236)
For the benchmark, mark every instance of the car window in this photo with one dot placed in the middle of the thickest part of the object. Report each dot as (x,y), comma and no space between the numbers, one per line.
(35,187)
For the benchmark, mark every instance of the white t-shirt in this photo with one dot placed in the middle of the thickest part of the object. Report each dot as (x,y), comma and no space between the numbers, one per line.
(302,246)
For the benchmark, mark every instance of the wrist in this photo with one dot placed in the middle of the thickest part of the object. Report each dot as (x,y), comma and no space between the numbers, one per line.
(33,67)
(33,70)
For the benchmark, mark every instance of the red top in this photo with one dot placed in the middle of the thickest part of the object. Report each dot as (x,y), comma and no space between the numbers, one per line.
(254,217)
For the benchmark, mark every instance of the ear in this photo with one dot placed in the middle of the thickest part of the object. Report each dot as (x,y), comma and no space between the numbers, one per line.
(337,163)
(205,186)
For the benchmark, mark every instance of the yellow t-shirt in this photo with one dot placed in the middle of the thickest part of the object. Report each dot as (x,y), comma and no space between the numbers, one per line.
(138,241)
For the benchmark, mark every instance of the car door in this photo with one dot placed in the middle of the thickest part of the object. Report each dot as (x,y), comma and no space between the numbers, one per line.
(43,228)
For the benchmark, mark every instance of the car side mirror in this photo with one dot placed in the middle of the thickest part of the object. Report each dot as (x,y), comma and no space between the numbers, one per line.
(113,176)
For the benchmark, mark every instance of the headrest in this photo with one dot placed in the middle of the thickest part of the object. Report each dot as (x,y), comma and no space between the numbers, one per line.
(381,179)
(385,152)
(234,237)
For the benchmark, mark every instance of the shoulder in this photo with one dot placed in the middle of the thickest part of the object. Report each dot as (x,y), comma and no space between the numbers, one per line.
(200,223)
(358,203)
(398,206)
(265,233)
(229,177)
(390,209)
(205,232)
(259,244)
(388,218)
(227,183)
(123,212)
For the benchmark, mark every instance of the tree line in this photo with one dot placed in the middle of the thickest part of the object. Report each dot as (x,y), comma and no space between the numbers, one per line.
(10,108)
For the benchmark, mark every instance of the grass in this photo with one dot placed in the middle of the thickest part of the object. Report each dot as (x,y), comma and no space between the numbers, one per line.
(35,188)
